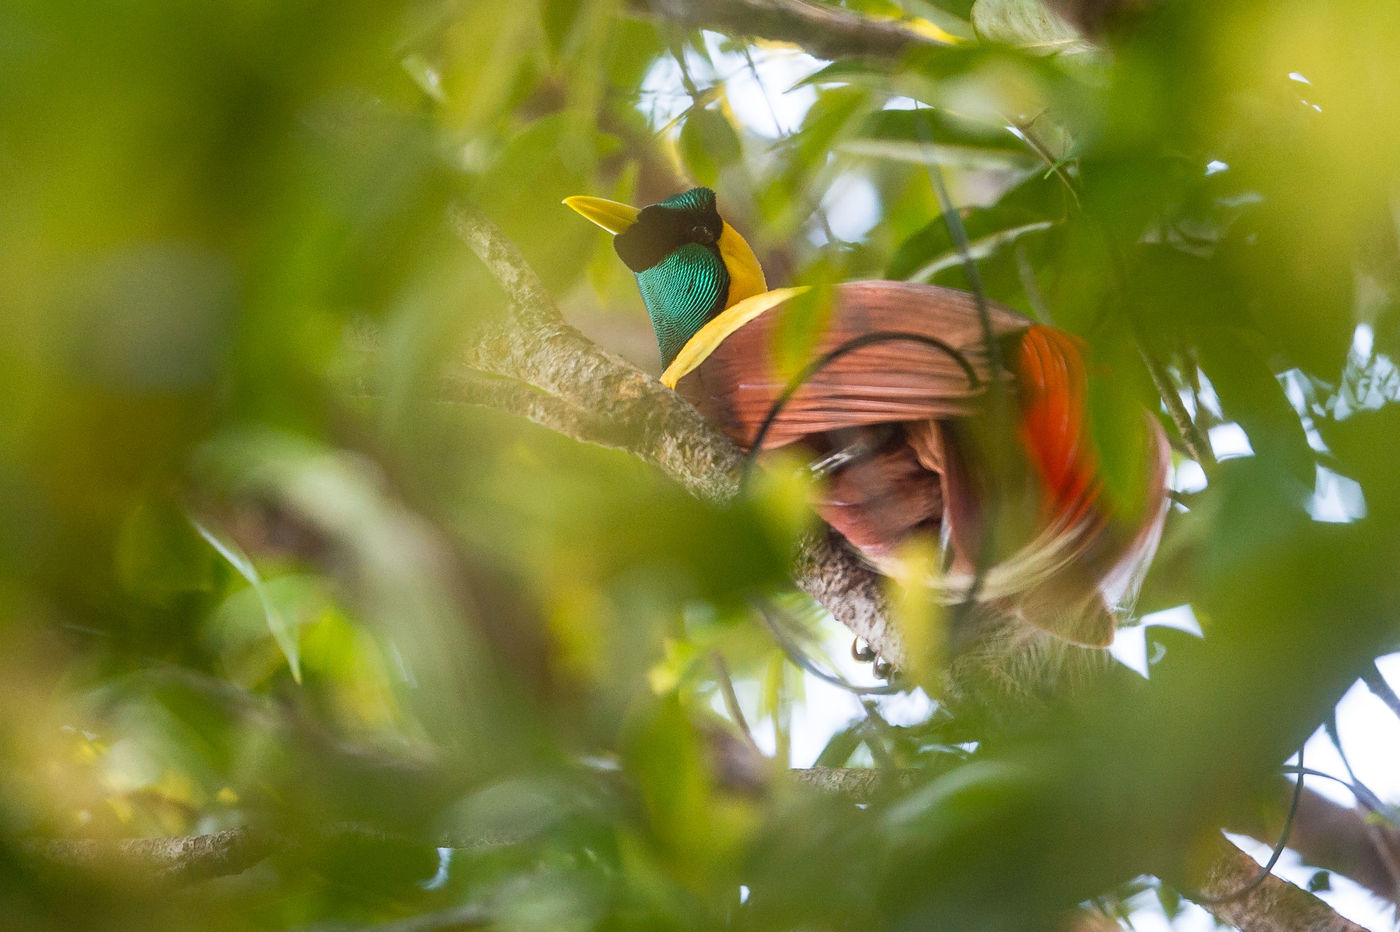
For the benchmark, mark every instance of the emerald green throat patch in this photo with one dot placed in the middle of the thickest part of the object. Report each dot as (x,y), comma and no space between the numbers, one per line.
(673,250)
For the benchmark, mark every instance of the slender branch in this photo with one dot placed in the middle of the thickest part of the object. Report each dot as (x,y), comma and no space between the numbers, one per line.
(500,255)
(731,698)
(192,858)
(826,31)
(650,421)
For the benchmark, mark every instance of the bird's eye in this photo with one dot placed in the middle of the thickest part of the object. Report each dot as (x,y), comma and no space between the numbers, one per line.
(702,234)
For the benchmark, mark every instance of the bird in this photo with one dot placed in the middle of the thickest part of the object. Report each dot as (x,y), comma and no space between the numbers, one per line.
(928,414)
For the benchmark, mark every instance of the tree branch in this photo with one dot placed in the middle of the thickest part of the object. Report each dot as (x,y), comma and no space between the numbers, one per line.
(852,592)
(827,32)
(462,386)
(861,784)
(1336,838)
(1196,441)
(159,861)
(1275,905)
(536,346)
(186,859)
(630,409)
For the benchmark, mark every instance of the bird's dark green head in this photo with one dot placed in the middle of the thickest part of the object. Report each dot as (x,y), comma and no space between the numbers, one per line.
(689,263)
(673,249)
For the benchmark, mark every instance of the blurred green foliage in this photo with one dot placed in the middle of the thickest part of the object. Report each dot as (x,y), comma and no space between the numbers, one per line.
(505,640)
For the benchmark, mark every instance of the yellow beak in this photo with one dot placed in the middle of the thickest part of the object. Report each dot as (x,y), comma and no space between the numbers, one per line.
(610,215)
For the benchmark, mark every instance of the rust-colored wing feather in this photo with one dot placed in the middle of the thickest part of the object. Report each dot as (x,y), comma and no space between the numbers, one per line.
(897,380)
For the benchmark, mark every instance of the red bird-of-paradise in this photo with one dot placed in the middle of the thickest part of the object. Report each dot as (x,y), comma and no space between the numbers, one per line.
(928,413)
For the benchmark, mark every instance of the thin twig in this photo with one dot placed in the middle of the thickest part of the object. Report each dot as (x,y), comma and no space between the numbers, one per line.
(1196,443)
(731,698)
(826,31)
(1375,681)
(799,659)
(877,726)
(1027,135)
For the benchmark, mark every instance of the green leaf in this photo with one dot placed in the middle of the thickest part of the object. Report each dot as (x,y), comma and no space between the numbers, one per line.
(954,156)
(1302,298)
(827,121)
(934,63)
(559,18)
(426,75)
(796,338)
(1032,206)
(840,747)
(959,8)
(931,249)
(1367,446)
(632,48)
(1169,899)
(156,555)
(929,126)
(844,72)
(522,188)
(1026,24)
(281,631)
(1251,394)
(1116,422)
(1170,579)
(709,144)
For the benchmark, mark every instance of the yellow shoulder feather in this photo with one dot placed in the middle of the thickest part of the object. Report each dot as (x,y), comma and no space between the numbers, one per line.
(700,346)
